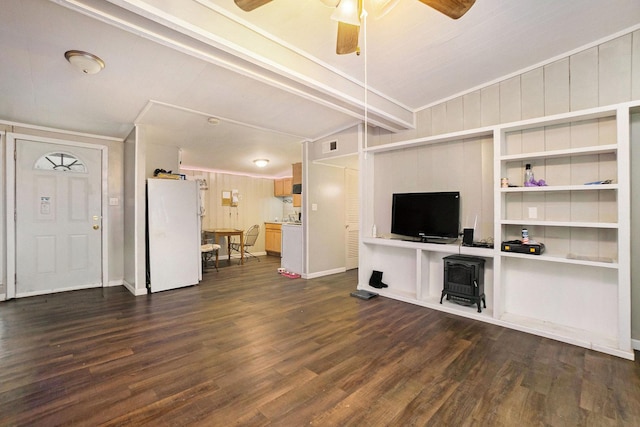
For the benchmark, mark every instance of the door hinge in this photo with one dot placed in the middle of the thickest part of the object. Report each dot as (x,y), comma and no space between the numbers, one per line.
(15,154)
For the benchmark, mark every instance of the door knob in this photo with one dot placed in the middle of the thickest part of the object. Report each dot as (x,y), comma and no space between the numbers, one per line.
(96,226)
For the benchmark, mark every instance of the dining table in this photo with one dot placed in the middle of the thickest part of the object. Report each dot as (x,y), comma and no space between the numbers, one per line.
(217,233)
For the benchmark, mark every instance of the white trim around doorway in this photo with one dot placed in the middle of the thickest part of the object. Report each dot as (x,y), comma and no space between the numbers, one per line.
(10,206)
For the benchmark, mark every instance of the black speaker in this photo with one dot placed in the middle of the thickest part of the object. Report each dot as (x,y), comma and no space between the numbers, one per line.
(467,237)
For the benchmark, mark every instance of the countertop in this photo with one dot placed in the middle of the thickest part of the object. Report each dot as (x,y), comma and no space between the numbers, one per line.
(284,222)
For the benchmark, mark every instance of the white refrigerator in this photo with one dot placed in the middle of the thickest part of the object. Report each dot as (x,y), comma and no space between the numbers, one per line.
(173,235)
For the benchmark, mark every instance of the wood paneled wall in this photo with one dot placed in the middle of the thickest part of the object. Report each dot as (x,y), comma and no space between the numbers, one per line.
(256,202)
(601,75)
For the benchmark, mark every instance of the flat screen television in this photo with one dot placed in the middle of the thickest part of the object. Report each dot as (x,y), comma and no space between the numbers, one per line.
(426,216)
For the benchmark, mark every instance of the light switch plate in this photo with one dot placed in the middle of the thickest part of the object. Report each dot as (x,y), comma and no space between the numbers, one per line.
(533,213)
(314,207)
(113,201)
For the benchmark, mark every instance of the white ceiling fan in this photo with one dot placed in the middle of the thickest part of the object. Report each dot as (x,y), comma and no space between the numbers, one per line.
(348,14)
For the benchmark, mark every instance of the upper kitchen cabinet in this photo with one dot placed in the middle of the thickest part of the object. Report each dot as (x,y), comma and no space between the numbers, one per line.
(282,187)
(297,173)
(297,184)
(296,170)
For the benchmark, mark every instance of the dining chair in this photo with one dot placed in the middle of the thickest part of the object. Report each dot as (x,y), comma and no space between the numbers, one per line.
(208,249)
(250,237)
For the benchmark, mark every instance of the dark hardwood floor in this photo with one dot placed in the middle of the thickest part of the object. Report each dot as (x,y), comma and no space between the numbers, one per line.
(250,347)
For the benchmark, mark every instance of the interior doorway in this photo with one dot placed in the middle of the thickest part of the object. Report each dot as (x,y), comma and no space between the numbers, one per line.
(59,191)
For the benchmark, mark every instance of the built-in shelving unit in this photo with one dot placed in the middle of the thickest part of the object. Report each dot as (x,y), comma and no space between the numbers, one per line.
(578,291)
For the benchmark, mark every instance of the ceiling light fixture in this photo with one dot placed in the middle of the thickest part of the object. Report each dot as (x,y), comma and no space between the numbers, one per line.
(213,121)
(86,62)
(261,162)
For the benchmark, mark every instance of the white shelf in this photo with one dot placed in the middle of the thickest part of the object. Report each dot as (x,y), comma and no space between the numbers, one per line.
(550,188)
(575,224)
(579,337)
(548,258)
(582,151)
(438,139)
(470,311)
(564,118)
(453,248)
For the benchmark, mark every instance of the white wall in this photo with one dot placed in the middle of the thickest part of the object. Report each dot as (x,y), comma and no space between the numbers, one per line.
(601,75)
(161,157)
(3,258)
(129,204)
(465,166)
(325,188)
(635,225)
(346,144)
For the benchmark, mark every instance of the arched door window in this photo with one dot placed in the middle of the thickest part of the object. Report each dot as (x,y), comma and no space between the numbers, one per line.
(62,162)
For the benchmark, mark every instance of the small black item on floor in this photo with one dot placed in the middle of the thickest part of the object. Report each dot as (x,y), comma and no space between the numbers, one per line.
(362,294)
(376,280)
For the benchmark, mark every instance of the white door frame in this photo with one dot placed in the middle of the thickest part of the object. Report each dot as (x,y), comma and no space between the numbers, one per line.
(10,223)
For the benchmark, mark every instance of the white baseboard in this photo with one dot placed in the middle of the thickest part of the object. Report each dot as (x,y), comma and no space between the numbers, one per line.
(131,288)
(635,344)
(115,283)
(54,291)
(324,273)
(3,297)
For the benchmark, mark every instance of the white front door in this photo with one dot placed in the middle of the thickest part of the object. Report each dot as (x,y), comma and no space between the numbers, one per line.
(58,217)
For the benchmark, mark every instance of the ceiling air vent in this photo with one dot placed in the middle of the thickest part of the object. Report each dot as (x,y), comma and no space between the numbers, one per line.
(329,146)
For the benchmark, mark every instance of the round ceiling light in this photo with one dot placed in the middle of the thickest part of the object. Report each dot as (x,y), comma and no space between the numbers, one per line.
(261,162)
(86,62)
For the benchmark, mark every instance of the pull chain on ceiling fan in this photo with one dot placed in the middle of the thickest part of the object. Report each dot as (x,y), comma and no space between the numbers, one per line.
(348,14)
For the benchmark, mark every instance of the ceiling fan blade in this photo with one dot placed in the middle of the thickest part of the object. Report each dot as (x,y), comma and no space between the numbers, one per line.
(347,38)
(249,5)
(454,9)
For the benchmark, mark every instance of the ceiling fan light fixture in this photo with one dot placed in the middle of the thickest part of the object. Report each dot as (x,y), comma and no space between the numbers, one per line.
(86,62)
(261,162)
(347,12)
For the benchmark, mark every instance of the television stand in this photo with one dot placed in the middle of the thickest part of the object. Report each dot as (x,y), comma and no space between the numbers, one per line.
(438,240)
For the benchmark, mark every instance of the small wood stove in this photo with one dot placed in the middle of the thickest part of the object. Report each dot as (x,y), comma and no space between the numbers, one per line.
(464,280)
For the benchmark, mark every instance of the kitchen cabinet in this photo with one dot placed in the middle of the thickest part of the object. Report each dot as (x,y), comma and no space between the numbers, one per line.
(282,187)
(273,238)
(296,169)
(297,173)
